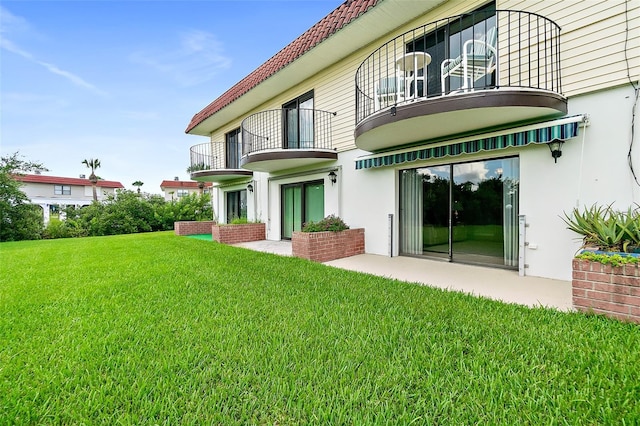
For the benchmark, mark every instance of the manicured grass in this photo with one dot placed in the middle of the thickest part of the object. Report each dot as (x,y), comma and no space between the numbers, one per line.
(159,329)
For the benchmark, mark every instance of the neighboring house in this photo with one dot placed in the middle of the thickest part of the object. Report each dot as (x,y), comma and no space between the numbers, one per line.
(460,130)
(53,193)
(176,189)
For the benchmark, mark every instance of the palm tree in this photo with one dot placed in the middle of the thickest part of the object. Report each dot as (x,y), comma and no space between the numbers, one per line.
(93,165)
(138,184)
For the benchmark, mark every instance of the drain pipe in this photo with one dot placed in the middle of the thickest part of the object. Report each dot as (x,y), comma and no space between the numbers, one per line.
(254,184)
(390,234)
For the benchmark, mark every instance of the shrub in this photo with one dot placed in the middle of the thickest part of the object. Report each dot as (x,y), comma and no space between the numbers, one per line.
(239,221)
(129,212)
(608,259)
(56,229)
(329,223)
(606,228)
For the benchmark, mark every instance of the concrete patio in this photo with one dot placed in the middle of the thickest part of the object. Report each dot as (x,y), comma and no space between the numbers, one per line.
(498,284)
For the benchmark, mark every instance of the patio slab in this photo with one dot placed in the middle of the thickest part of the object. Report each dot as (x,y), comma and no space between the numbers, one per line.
(499,284)
(283,248)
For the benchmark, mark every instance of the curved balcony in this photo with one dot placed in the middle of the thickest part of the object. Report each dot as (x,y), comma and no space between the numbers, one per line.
(211,163)
(459,76)
(275,140)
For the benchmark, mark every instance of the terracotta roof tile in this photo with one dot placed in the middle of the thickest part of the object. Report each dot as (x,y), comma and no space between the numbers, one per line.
(327,26)
(67,181)
(181,184)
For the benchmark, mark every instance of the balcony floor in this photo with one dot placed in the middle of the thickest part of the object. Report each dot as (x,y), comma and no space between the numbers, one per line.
(281,159)
(456,115)
(220,175)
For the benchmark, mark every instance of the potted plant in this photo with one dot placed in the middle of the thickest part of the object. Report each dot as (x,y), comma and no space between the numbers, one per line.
(327,239)
(606,275)
(603,228)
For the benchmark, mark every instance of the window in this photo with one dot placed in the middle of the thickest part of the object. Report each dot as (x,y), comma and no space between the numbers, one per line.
(236,205)
(465,211)
(298,122)
(62,190)
(233,149)
(182,193)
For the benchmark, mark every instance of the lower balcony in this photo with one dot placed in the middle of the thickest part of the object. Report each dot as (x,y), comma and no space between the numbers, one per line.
(276,140)
(212,162)
(459,76)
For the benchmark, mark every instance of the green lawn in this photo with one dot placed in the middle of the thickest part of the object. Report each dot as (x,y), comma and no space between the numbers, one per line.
(159,329)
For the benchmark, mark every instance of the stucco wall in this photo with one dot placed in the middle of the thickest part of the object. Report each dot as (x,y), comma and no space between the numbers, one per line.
(593,169)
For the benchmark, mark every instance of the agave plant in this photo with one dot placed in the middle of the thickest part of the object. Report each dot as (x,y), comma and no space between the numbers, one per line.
(629,222)
(605,228)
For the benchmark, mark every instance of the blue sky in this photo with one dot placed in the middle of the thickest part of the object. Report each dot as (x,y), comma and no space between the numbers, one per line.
(120,80)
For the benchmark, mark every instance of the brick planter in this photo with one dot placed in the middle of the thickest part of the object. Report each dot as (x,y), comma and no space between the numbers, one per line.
(604,289)
(193,227)
(325,246)
(241,233)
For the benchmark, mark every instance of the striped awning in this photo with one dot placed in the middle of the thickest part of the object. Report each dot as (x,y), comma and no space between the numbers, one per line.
(561,129)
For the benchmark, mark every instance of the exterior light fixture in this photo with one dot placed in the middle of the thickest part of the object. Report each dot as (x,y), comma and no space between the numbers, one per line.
(333,177)
(555,146)
(250,188)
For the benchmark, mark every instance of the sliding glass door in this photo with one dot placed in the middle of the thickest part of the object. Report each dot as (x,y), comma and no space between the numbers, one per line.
(466,212)
(236,202)
(448,42)
(301,203)
(298,122)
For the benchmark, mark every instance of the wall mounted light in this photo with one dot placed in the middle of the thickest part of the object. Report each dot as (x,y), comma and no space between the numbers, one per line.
(555,146)
(250,188)
(333,177)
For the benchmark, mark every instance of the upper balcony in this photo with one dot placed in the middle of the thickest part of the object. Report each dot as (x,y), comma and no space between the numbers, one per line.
(282,139)
(459,76)
(211,162)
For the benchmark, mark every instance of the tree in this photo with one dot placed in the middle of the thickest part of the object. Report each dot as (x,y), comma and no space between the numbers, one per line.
(19,219)
(93,165)
(138,184)
(129,212)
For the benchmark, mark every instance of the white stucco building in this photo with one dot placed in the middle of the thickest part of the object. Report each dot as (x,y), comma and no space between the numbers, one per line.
(173,190)
(460,130)
(54,192)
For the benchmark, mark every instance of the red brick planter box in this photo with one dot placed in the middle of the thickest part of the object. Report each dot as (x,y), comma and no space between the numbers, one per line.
(325,246)
(241,233)
(193,227)
(604,289)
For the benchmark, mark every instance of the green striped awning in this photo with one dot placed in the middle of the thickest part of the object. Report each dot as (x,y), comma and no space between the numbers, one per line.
(564,131)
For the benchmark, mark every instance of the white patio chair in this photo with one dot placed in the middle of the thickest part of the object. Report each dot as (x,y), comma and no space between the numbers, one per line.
(389,91)
(478,59)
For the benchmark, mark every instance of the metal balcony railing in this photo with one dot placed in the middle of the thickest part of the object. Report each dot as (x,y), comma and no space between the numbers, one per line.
(208,156)
(505,48)
(287,129)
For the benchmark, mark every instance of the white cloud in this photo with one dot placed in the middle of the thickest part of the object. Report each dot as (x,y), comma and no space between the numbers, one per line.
(12,23)
(198,58)
(9,24)
(471,172)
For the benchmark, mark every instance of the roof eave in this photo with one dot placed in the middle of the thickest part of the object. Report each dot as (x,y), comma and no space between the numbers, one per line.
(381,19)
